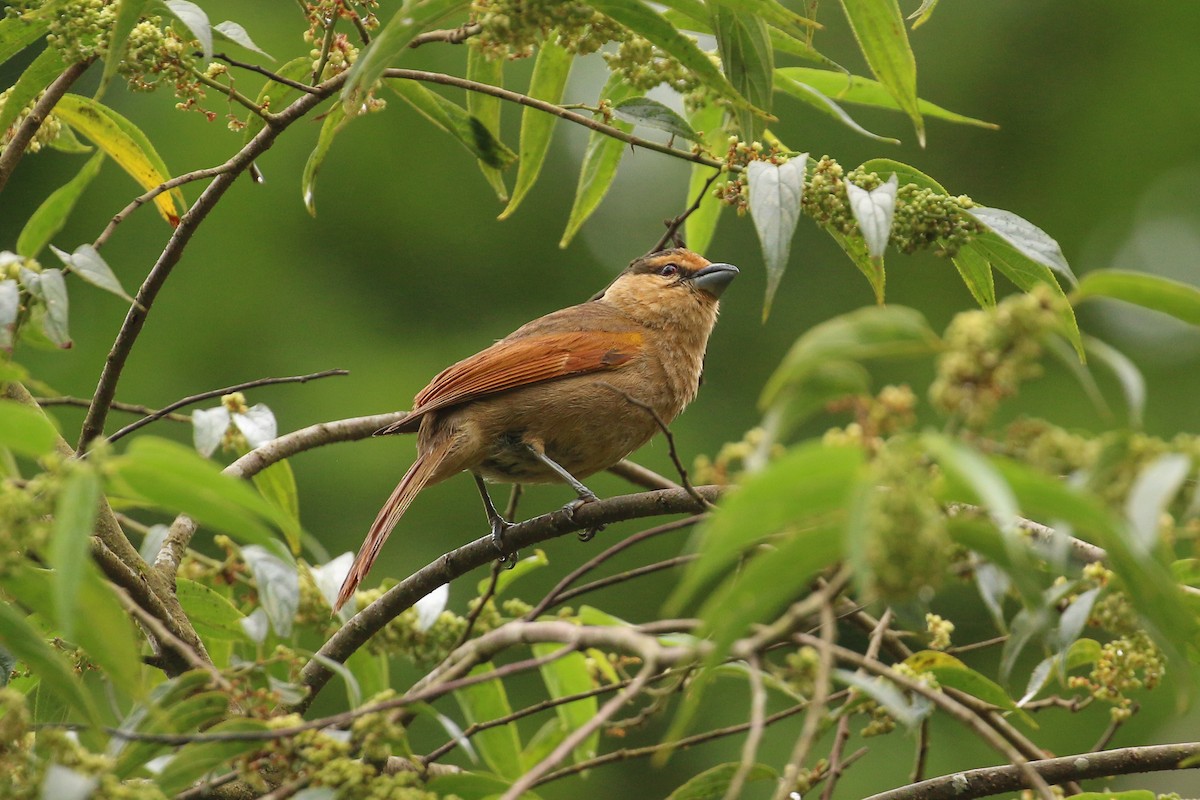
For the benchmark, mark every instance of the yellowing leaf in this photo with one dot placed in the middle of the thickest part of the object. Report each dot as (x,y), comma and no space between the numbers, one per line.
(125,144)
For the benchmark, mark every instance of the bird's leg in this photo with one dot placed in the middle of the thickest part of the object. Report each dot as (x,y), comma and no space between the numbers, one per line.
(497,521)
(586,495)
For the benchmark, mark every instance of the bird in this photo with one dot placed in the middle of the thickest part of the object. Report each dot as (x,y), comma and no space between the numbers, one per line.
(564,396)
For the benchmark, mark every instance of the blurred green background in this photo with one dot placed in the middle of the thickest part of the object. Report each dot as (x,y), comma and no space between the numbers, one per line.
(405,269)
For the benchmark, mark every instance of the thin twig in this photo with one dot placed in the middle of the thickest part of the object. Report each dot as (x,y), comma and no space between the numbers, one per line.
(141,200)
(303,87)
(238,387)
(758,709)
(530,777)
(473,617)
(666,432)
(820,699)
(232,93)
(131,408)
(550,108)
(641,476)
(673,224)
(326,45)
(922,757)
(627,575)
(552,597)
(1113,726)
(168,640)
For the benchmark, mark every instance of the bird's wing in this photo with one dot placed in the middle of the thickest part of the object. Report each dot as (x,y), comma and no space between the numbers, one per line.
(513,363)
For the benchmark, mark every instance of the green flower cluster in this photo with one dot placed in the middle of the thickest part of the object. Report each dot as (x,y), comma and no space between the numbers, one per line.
(644,67)
(512,28)
(907,548)
(989,352)
(155,54)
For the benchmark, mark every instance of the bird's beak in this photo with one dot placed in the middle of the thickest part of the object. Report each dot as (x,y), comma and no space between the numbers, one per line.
(715,278)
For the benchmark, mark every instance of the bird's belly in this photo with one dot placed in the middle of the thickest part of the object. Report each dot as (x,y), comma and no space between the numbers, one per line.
(583,432)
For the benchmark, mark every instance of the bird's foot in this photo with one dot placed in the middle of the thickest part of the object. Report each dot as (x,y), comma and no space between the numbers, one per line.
(499,526)
(570,508)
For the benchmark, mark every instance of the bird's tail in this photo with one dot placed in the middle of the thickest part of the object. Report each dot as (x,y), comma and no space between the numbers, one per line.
(418,475)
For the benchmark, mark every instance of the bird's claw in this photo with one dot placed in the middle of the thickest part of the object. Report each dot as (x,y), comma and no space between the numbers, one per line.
(499,526)
(570,508)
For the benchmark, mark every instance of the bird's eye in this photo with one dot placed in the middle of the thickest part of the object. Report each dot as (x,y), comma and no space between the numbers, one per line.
(668,270)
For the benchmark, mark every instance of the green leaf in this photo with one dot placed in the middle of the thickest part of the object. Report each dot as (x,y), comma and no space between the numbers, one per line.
(1133,384)
(881,36)
(455,120)
(871,268)
(749,61)
(567,676)
(413,17)
(500,746)
(812,97)
(472,786)
(26,430)
(643,20)
(1180,300)
(193,760)
(175,706)
(20,639)
(74,517)
(486,108)
(213,616)
(923,13)
(51,215)
(952,672)
(808,482)
(1024,237)
(274,96)
(846,88)
(550,72)
(653,114)
(905,173)
(369,670)
(868,333)
(773,12)
(799,46)
(1133,794)
(88,265)
(36,77)
(516,572)
(1026,274)
(701,224)
(277,483)
(714,782)
(128,12)
(173,477)
(125,144)
(976,272)
(776,191)
(335,120)
(23,29)
(600,161)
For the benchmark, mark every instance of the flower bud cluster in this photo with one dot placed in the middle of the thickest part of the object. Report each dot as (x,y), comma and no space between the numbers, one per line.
(1126,664)
(644,67)
(512,28)
(990,352)
(729,461)
(341,57)
(46,133)
(907,546)
(939,630)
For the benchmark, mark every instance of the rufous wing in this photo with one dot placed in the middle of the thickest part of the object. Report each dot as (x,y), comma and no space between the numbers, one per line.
(513,363)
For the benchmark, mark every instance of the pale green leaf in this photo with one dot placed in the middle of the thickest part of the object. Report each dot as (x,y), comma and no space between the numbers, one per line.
(550,72)
(600,162)
(335,120)
(569,676)
(26,430)
(500,746)
(748,60)
(810,96)
(653,114)
(486,108)
(713,783)
(879,29)
(1180,300)
(88,265)
(776,191)
(456,121)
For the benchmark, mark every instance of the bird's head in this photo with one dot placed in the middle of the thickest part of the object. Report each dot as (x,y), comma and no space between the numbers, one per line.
(670,288)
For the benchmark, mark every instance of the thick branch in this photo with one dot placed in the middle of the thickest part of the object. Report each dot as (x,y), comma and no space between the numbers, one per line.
(355,633)
(1010,778)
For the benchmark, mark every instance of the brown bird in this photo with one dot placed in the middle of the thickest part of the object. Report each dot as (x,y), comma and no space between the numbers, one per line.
(557,400)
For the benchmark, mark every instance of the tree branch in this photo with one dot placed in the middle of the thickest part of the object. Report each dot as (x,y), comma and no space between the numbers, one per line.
(237,387)
(988,781)
(16,147)
(360,628)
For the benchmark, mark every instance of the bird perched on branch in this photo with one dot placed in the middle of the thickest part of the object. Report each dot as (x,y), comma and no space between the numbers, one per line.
(564,396)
